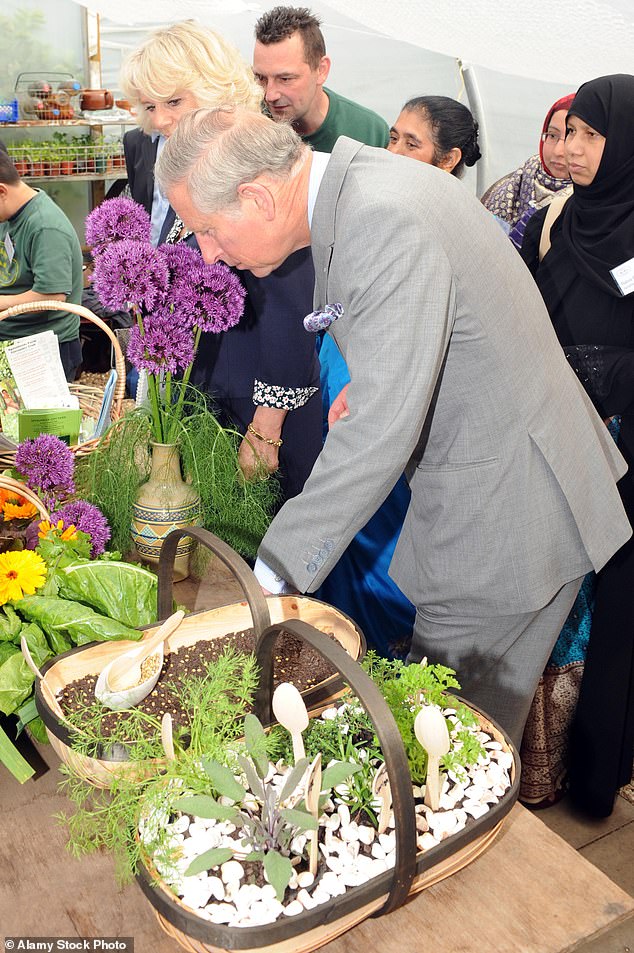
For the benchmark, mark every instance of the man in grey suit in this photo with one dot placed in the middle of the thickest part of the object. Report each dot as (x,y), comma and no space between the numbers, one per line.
(457,376)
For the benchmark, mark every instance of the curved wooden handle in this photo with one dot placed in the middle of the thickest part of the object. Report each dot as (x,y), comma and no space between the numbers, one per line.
(384,725)
(240,569)
(119,360)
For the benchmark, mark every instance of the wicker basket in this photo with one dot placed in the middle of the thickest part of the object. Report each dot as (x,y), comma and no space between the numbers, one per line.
(90,398)
(413,871)
(206,625)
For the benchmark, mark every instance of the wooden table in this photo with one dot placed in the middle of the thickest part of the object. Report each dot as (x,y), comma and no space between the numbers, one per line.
(529,893)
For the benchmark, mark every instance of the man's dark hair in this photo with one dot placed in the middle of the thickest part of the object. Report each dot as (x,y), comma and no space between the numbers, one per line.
(8,174)
(281,22)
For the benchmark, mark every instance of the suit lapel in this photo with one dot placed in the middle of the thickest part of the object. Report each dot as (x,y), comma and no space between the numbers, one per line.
(323,225)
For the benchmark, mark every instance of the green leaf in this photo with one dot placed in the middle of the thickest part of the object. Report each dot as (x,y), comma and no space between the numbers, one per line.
(253,780)
(121,591)
(64,621)
(7,649)
(279,870)
(11,758)
(301,819)
(338,773)
(16,682)
(36,641)
(293,779)
(38,730)
(200,805)
(223,780)
(255,741)
(211,858)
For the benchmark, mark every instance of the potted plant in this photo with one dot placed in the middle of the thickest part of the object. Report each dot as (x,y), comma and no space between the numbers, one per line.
(38,601)
(36,153)
(258,845)
(170,463)
(100,149)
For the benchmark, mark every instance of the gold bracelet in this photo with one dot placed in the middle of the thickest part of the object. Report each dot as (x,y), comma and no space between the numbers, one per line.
(269,440)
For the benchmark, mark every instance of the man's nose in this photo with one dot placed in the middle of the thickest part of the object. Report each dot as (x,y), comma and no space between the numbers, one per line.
(209,249)
(271,92)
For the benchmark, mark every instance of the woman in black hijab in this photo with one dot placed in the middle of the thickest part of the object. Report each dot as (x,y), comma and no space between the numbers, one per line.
(587,281)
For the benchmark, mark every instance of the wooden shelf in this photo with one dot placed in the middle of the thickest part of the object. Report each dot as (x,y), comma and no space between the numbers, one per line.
(41,123)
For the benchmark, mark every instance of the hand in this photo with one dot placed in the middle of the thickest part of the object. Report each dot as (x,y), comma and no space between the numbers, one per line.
(339,407)
(257,457)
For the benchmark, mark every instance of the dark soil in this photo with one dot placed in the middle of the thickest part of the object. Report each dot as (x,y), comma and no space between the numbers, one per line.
(294,661)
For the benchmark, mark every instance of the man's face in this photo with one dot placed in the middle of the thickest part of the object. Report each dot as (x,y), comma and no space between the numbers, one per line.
(290,85)
(248,241)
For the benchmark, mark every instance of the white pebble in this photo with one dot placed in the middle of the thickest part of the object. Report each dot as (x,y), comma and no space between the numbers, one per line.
(366,834)
(305,879)
(320,895)
(306,900)
(216,887)
(293,908)
(344,813)
(231,870)
(220,912)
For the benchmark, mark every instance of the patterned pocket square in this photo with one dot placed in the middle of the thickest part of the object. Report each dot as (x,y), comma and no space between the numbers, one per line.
(320,320)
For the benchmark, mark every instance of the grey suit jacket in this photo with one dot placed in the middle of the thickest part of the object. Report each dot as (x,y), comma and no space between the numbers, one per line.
(457,375)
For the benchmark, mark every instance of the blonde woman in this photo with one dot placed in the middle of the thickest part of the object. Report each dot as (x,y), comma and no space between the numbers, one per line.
(263,375)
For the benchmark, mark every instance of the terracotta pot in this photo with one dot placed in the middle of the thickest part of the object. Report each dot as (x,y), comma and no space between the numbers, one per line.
(96,99)
(163,504)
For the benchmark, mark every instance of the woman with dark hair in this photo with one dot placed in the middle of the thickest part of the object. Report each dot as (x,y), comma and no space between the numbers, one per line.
(585,272)
(437,130)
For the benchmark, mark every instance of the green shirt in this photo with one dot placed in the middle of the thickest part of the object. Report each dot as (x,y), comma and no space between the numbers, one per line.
(46,257)
(345,118)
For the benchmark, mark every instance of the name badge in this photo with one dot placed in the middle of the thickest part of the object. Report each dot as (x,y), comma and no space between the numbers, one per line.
(8,247)
(624,276)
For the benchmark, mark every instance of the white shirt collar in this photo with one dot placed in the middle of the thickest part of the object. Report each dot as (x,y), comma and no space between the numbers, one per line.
(317,168)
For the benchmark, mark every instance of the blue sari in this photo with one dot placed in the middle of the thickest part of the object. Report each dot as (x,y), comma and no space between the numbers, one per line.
(359,584)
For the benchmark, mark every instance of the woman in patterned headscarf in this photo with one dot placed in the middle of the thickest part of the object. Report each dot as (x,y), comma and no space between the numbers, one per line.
(518,195)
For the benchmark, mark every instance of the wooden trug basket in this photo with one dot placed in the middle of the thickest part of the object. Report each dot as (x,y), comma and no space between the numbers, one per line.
(206,625)
(413,871)
(90,398)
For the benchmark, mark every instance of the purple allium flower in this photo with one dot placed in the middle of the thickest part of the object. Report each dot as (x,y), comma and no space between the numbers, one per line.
(130,273)
(46,464)
(89,519)
(165,345)
(115,219)
(214,295)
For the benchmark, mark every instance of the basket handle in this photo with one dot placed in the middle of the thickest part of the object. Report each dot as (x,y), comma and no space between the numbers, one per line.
(119,360)
(240,569)
(384,725)
(22,490)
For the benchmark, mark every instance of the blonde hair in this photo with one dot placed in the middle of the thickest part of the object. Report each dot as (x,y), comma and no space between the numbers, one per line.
(216,150)
(188,57)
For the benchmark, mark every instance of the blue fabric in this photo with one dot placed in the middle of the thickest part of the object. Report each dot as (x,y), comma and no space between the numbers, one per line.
(572,644)
(359,584)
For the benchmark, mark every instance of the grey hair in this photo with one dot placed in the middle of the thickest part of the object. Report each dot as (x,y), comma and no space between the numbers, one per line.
(216,150)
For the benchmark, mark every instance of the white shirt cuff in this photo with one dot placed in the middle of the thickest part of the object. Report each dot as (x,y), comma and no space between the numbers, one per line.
(270,580)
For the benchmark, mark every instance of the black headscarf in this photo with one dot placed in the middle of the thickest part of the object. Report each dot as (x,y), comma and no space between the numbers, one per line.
(598,221)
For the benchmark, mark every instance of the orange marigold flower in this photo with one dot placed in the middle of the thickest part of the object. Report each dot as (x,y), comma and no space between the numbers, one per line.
(68,532)
(15,510)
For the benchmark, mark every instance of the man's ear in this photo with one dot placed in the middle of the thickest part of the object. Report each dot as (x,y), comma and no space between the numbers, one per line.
(260,196)
(322,70)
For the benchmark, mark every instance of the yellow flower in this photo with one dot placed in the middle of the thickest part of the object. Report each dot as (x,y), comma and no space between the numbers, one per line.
(21,573)
(14,510)
(44,528)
